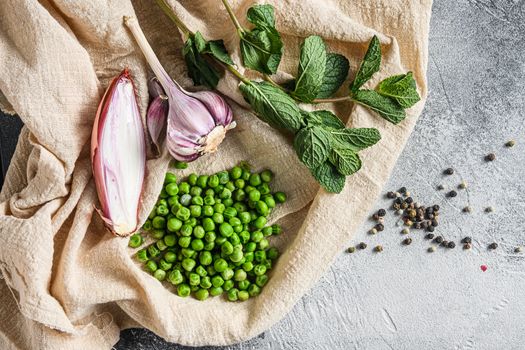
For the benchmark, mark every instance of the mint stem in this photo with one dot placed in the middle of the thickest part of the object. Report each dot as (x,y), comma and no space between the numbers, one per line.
(271,81)
(169,12)
(234,19)
(329,100)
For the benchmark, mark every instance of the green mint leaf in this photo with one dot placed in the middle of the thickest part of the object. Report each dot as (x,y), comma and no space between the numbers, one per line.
(335,74)
(384,106)
(312,145)
(199,70)
(261,16)
(272,105)
(369,66)
(200,42)
(328,176)
(217,49)
(325,119)
(311,70)
(345,160)
(261,50)
(401,88)
(356,139)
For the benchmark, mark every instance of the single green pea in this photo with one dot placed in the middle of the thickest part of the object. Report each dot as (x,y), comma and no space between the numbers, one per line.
(254,290)
(151,266)
(264,189)
(236,172)
(201,271)
(272,253)
(215,291)
(267,231)
(248,189)
(192,179)
(236,228)
(244,236)
(209,200)
(218,190)
(237,255)
(184,188)
(233,294)
(247,266)
(153,251)
(243,285)
(184,241)
(191,221)
(261,208)
(259,269)
(207,210)
(172,189)
(219,208)
(227,248)
(217,281)
(213,181)
(205,282)
(228,202)
(147,225)
(245,217)
(188,264)
(163,194)
(153,213)
(261,280)
(183,214)
(170,256)
(197,245)
(240,183)
(164,265)
(159,222)
(199,232)
(220,265)
(180,165)
(205,258)
(254,195)
(270,202)
(255,180)
(246,174)
(225,193)
(235,239)
(263,244)
(250,246)
(209,192)
(185,199)
(170,240)
(195,191)
(267,263)
(197,200)
(135,240)
(226,229)
(230,212)
(249,256)
(253,215)
(256,236)
(187,252)
(162,209)
(211,270)
(175,207)
(209,246)
(194,279)
(251,204)
(240,275)
(223,177)
(186,230)
(202,181)
(159,274)
(195,211)
(227,274)
(218,218)
(260,222)
(142,255)
(266,175)
(220,240)
(260,255)
(228,285)
(194,288)
(276,229)
(280,197)
(172,201)
(210,236)
(183,290)
(229,185)
(240,207)
(175,277)
(170,178)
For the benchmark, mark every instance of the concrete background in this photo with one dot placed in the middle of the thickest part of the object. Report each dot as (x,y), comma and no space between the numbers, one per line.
(404,297)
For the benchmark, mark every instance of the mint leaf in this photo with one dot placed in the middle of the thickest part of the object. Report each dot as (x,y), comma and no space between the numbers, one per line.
(356,139)
(261,16)
(261,50)
(384,106)
(312,65)
(325,119)
(199,70)
(401,88)
(312,145)
(328,176)
(345,160)
(335,74)
(200,42)
(272,105)
(214,48)
(369,66)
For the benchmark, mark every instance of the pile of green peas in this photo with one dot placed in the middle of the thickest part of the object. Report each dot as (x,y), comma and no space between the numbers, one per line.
(211,234)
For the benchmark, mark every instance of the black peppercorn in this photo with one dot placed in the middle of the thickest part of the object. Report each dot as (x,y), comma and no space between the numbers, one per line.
(493,245)
(407,241)
(466,240)
(467,246)
(417,225)
(430,216)
(435,223)
(409,200)
(429,236)
(361,245)
(444,243)
(451,245)
(351,249)
(490,157)
(379,227)
(448,171)
(452,194)
(402,190)
(381,212)
(398,200)
(436,207)
(375,217)
(430,228)
(438,239)
(391,195)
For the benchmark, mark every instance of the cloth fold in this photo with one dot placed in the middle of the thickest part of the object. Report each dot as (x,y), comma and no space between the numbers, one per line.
(67,282)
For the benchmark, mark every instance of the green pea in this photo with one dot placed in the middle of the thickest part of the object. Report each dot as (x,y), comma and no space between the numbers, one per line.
(260,222)
(191,221)
(209,246)
(209,200)
(185,200)
(270,202)
(183,214)
(219,208)
(272,253)
(263,244)
(184,242)
(211,270)
(210,236)
(247,266)
(170,240)
(253,215)
(186,230)
(188,264)
(195,211)
(199,232)
(195,191)
(260,256)
(240,207)
(245,217)
(159,222)
(264,189)
(201,271)
(202,181)
(227,248)
(197,244)
(227,274)
(249,188)
(243,285)
(159,274)
(244,236)
(197,200)
(226,193)
(248,256)
(250,246)
(147,225)
(237,255)
(223,177)
(236,228)
(280,197)
(245,175)
(230,212)
(170,178)
(266,175)
(261,208)
(192,179)
(228,285)
(254,290)
(170,256)
(218,218)
(172,201)
(164,265)
(151,266)
(194,288)
(226,229)
(205,258)
(135,240)
(229,185)
(161,245)
(218,190)
(256,236)
(207,210)
(213,181)
(240,275)
(220,240)
(183,290)
(153,213)
(233,294)
(163,194)
(267,231)
(172,189)
(276,229)
(142,255)
(254,195)
(194,279)
(220,265)
(205,282)
(255,180)
(240,183)
(236,172)
(175,277)
(259,269)
(261,280)
(209,192)
(228,202)
(184,188)
(153,251)
(175,207)
(217,281)
(180,165)
(215,291)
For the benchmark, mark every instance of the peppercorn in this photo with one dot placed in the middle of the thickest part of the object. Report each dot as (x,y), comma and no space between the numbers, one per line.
(493,245)
(391,195)
(462,185)
(430,228)
(412,213)
(440,187)
(402,190)
(466,240)
(404,205)
(438,239)
(409,223)
(351,249)
(405,231)
(448,171)
(407,194)
(431,249)
(379,227)
(409,200)
(417,225)
(396,206)
(398,200)
(407,241)
(489,209)
(444,243)
(436,207)
(375,217)
(518,249)
(451,245)
(452,194)
(381,212)
(490,157)
(467,209)
(398,195)
(467,246)
(424,224)
(435,223)
(399,212)
(373,231)
(378,248)
(510,143)
(429,236)
(430,216)
(361,246)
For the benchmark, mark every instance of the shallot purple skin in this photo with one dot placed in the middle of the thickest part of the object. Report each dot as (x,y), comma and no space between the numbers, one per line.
(118,156)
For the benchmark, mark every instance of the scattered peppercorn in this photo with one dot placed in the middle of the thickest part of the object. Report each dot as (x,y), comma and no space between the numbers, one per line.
(403,190)
(407,194)
(510,143)
(438,239)
(431,249)
(398,194)
(378,248)
(462,185)
(379,227)
(429,236)
(399,212)
(381,212)
(434,223)
(518,249)
(444,243)
(409,200)
(467,246)
(407,241)
(452,194)
(405,231)
(375,217)
(466,240)
(440,187)
(490,157)
(373,231)
(467,209)
(430,228)
(449,171)
(361,246)
(351,249)
(436,207)
(489,209)
(493,246)
(391,195)
(409,223)
(451,245)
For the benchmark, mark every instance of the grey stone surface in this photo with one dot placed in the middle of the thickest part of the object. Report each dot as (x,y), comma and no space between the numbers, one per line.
(404,297)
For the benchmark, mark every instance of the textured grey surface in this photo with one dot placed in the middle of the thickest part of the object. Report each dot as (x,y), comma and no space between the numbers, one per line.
(406,298)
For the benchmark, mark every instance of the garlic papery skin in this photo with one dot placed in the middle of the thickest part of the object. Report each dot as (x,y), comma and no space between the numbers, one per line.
(118,156)
(197,121)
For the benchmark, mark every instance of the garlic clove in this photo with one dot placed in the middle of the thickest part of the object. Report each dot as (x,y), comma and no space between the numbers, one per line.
(156,120)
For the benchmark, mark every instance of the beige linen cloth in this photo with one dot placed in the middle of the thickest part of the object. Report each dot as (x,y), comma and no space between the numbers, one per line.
(68,283)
